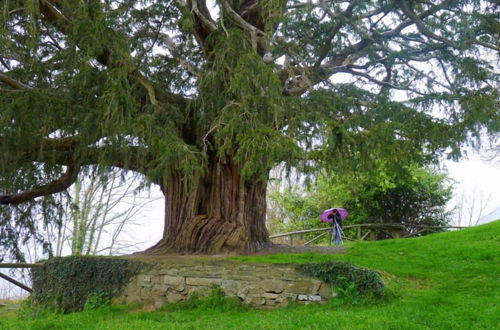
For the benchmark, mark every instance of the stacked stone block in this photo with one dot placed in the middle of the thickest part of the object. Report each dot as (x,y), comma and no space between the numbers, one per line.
(264,285)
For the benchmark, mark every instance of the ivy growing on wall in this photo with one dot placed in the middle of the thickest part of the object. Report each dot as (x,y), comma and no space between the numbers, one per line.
(66,283)
(343,275)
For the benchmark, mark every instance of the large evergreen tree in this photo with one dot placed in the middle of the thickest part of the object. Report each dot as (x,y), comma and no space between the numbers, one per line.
(205,97)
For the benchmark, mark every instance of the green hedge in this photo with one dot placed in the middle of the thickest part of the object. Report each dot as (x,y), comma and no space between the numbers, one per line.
(344,276)
(66,283)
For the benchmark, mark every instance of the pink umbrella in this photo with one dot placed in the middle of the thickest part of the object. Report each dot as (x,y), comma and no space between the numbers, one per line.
(324,216)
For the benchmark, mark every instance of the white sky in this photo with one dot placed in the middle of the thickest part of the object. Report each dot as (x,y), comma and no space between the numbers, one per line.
(476,179)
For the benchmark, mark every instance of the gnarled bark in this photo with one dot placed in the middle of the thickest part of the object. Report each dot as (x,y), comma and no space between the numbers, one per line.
(220,213)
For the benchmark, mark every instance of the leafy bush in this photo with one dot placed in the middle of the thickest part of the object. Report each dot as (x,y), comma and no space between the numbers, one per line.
(349,280)
(418,199)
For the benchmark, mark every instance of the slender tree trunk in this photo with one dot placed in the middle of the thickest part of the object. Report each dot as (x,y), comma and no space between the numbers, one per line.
(220,213)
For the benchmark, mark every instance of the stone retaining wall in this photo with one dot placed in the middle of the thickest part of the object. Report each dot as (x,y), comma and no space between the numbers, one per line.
(265,285)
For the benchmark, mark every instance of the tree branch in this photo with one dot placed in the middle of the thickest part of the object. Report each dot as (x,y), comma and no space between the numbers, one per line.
(381,83)
(61,184)
(54,16)
(421,25)
(198,13)
(199,8)
(169,43)
(239,21)
(434,80)
(62,151)
(484,44)
(12,82)
(344,61)
(336,28)
(421,16)
(4,63)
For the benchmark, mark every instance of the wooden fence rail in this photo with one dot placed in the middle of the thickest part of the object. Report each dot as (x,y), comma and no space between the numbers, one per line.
(14,281)
(11,265)
(390,229)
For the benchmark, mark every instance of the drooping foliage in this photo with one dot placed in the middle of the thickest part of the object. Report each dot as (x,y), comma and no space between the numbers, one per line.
(170,87)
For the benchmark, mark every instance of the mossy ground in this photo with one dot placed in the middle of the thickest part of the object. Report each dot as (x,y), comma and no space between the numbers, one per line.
(443,281)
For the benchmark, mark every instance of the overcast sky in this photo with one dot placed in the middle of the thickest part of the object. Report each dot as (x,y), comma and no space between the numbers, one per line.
(476,179)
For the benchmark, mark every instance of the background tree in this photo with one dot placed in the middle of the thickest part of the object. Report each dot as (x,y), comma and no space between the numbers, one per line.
(412,196)
(470,207)
(102,214)
(204,98)
(100,218)
(419,199)
(491,153)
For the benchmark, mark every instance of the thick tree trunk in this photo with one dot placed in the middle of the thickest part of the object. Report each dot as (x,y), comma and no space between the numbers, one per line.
(220,213)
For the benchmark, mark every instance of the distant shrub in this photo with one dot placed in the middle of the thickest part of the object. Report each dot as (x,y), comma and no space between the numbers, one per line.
(350,280)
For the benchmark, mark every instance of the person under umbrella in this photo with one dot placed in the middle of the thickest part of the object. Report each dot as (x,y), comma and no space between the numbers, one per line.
(337,226)
(335,217)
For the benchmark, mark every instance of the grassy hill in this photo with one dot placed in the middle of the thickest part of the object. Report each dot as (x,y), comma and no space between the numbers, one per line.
(442,281)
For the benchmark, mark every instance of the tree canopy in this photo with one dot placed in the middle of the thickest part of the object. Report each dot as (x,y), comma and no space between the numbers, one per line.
(203,95)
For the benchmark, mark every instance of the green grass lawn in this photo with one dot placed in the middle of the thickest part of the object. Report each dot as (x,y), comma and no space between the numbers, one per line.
(442,281)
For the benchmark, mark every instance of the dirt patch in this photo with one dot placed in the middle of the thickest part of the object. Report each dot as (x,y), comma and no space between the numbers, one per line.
(275,249)
(420,283)
(8,308)
(270,250)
